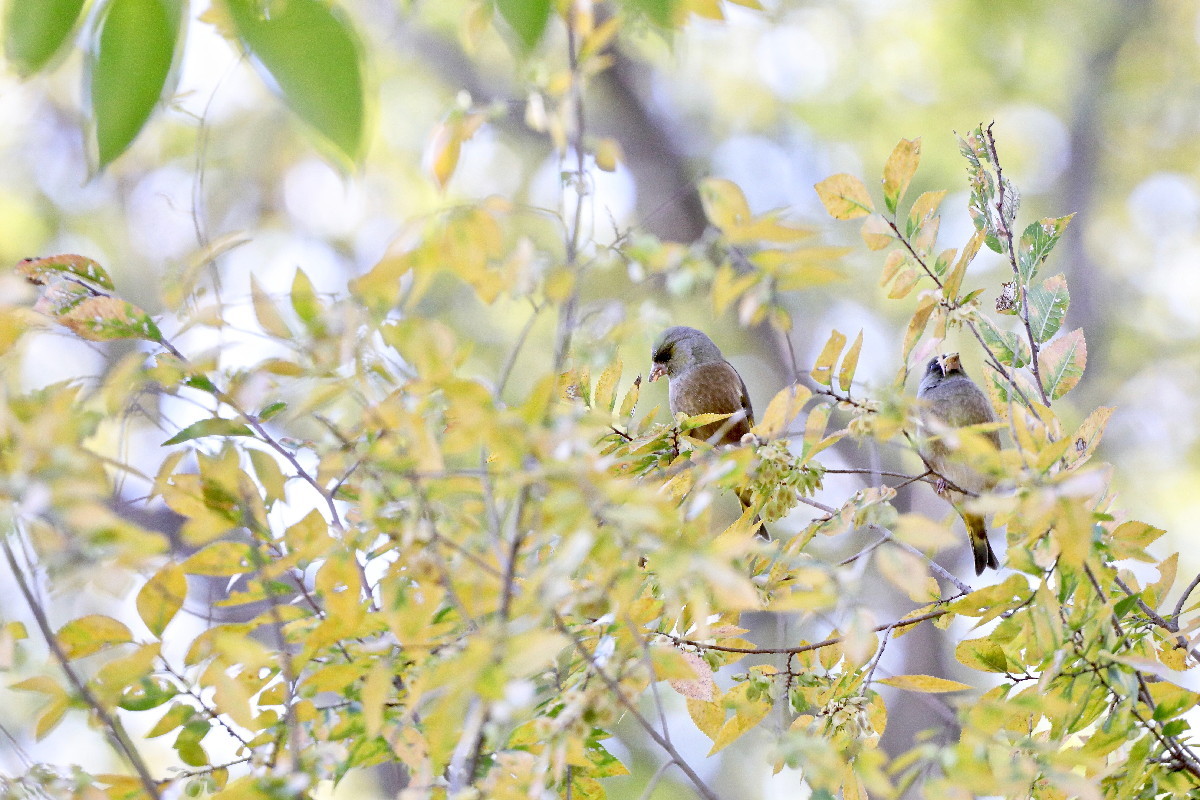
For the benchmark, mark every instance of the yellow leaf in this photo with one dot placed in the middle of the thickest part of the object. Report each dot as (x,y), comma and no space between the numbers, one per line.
(631,397)
(50,716)
(852,786)
(724,204)
(728,286)
(954,280)
(814,426)
(898,171)
(904,283)
(850,363)
(709,717)
(917,324)
(221,558)
(375,690)
(926,205)
(891,266)
(608,154)
(90,634)
(160,599)
(605,396)
(229,695)
(905,571)
(1131,539)
(877,233)
(924,683)
(770,228)
(690,423)
(267,314)
(822,371)
(844,197)
(445,144)
(782,409)
(748,713)
(1087,437)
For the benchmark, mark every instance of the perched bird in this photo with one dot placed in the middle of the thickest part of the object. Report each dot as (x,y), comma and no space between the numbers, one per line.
(951,399)
(701,381)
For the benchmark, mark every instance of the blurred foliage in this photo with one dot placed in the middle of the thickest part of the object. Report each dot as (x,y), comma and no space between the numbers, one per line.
(366,408)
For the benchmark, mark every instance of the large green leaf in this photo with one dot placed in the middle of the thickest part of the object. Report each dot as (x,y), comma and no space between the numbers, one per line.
(129,69)
(527,18)
(661,12)
(34,30)
(313,57)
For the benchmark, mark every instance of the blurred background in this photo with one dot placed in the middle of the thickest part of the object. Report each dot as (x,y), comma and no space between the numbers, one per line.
(1096,105)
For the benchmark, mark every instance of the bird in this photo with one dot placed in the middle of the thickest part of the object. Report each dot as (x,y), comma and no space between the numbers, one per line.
(951,399)
(701,381)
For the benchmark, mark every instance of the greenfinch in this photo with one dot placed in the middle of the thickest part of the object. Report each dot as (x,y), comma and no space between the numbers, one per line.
(950,399)
(701,381)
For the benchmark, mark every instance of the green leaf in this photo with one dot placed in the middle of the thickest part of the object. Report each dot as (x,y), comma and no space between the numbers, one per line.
(1036,243)
(1008,348)
(129,69)
(104,318)
(270,410)
(210,427)
(981,654)
(1047,306)
(314,58)
(42,270)
(527,18)
(37,29)
(1062,363)
(305,303)
(660,12)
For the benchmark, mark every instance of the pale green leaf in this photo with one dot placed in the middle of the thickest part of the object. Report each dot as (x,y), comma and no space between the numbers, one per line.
(1061,364)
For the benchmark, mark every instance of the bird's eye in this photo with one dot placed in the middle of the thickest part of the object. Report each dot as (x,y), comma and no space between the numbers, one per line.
(663,355)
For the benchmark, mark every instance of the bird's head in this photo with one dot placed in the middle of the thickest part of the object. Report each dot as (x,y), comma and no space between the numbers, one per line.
(680,348)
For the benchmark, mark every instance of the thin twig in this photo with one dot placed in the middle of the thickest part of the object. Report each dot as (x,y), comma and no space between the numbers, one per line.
(1169,625)
(805,648)
(112,725)
(656,777)
(511,360)
(567,321)
(1183,599)
(1007,233)
(629,705)
(936,567)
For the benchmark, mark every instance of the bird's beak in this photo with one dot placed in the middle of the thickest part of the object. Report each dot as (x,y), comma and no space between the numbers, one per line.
(657,371)
(949,363)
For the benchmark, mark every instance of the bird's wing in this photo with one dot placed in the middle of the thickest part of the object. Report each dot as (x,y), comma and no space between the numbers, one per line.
(714,388)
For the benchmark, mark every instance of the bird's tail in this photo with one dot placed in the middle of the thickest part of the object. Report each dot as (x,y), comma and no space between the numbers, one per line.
(985,556)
